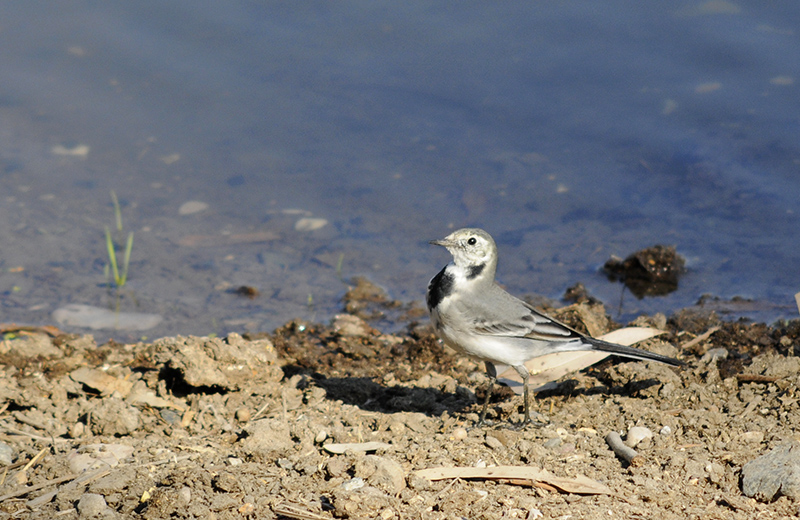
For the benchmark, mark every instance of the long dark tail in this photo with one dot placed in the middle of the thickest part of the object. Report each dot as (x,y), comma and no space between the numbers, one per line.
(630,352)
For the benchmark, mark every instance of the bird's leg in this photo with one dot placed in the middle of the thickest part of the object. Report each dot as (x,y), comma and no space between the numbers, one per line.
(525,375)
(492,373)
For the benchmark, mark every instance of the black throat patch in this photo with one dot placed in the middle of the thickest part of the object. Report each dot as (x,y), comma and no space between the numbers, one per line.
(440,287)
(475,271)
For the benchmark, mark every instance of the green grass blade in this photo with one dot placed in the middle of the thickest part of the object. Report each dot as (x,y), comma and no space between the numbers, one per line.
(112,255)
(117,210)
(128,249)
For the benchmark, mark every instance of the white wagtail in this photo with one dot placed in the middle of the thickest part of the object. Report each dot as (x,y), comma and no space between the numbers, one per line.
(475,316)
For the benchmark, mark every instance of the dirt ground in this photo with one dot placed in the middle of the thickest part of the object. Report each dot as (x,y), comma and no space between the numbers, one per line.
(251,427)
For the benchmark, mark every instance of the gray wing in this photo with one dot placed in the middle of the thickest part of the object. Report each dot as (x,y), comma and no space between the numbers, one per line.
(504,315)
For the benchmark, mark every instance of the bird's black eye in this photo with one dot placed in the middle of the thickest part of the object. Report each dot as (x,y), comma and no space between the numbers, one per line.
(472,241)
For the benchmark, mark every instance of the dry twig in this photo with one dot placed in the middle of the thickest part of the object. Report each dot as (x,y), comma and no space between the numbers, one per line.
(627,454)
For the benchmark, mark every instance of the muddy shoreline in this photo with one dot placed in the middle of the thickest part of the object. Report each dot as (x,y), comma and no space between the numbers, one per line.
(248,427)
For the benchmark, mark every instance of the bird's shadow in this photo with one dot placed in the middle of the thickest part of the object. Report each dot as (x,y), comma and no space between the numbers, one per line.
(369,395)
(366,394)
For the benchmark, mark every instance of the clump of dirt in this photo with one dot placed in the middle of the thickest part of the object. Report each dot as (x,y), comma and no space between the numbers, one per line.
(652,271)
(334,421)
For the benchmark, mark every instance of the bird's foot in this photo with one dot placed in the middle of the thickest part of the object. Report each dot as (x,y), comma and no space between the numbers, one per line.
(540,420)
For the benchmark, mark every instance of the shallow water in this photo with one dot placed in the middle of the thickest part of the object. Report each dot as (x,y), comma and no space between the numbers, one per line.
(569,132)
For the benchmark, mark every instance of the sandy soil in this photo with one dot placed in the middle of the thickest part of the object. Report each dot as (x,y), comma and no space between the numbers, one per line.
(237,427)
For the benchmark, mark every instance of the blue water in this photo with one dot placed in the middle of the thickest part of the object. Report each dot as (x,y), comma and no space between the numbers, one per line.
(571,131)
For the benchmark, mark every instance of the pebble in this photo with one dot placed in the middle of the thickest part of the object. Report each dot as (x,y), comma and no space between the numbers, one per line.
(243,414)
(665,430)
(321,436)
(97,455)
(351,326)
(80,150)
(185,496)
(171,417)
(775,473)
(636,435)
(77,430)
(754,437)
(714,354)
(192,206)
(88,316)
(6,454)
(555,442)
(353,484)
(494,443)
(91,505)
(381,472)
(459,434)
(310,224)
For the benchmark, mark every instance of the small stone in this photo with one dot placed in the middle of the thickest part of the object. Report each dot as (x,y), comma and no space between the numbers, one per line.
(353,484)
(310,224)
(352,326)
(715,472)
(665,430)
(91,505)
(226,482)
(77,430)
(171,417)
(114,416)
(398,428)
(753,437)
(337,467)
(636,435)
(243,414)
(494,443)
(555,442)
(6,454)
(192,206)
(184,496)
(459,434)
(773,474)
(385,474)
(714,354)
(418,483)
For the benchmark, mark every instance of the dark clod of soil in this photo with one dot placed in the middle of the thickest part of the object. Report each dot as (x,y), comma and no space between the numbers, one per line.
(650,272)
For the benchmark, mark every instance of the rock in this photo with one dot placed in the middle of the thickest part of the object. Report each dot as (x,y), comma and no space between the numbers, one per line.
(267,439)
(192,206)
(231,363)
(7,454)
(773,474)
(494,443)
(753,437)
(91,505)
(352,326)
(35,345)
(383,473)
(459,434)
(310,224)
(113,416)
(553,443)
(93,456)
(115,482)
(353,484)
(78,315)
(636,435)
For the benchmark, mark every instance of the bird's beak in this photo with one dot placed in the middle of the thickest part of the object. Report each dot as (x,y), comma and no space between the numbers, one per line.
(441,242)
